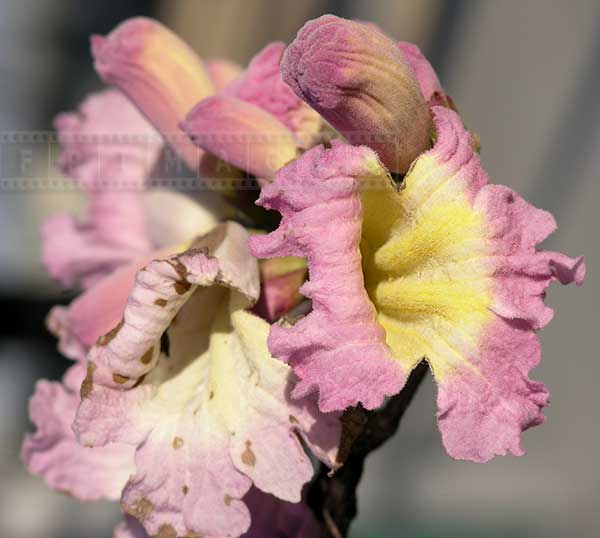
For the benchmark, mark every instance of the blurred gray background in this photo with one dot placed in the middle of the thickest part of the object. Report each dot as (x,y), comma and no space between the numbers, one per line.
(525,75)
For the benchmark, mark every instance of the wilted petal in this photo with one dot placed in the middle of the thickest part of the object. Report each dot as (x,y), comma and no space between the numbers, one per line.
(271,518)
(222,72)
(242,134)
(159,72)
(211,406)
(451,267)
(109,148)
(340,347)
(101,306)
(96,311)
(53,452)
(359,81)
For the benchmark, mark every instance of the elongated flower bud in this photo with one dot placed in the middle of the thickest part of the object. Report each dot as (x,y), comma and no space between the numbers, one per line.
(358,80)
(241,134)
(159,73)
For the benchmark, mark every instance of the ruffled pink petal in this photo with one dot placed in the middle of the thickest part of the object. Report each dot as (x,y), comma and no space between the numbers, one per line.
(359,81)
(211,407)
(69,344)
(196,490)
(222,72)
(262,85)
(72,255)
(452,268)
(523,274)
(425,74)
(339,348)
(53,452)
(106,127)
(481,413)
(220,257)
(76,252)
(241,134)
(159,73)
(109,148)
(271,518)
(486,401)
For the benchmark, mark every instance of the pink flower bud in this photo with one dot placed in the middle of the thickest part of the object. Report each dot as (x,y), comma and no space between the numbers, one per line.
(242,134)
(159,73)
(359,80)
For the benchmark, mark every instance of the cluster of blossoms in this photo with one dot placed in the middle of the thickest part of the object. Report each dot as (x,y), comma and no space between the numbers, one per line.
(195,397)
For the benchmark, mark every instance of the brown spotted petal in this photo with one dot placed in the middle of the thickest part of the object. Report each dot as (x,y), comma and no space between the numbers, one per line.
(52,452)
(188,380)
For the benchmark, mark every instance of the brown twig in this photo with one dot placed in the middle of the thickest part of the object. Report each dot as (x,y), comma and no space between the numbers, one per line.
(332,495)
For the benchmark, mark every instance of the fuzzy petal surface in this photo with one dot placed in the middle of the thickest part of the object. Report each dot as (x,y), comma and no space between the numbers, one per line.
(339,349)
(54,453)
(187,379)
(449,265)
(360,82)
(458,279)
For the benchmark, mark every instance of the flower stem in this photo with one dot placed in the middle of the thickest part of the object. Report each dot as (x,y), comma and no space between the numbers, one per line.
(332,495)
